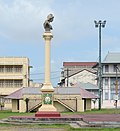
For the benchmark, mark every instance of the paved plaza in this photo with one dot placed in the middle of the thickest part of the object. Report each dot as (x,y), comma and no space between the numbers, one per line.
(101,118)
(77,120)
(29,129)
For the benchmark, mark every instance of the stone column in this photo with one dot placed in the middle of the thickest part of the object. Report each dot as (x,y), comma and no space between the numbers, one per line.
(47,89)
(47,83)
(47,37)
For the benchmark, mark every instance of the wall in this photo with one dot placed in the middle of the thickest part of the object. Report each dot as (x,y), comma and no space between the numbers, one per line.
(110,104)
(109,88)
(60,107)
(14,106)
(8,106)
(83,76)
(80,105)
(70,100)
(88,104)
(22,107)
(12,74)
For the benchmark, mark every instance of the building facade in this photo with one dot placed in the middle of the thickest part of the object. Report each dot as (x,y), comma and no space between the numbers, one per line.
(111,77)
(65,99)
(75,72)
(14,74)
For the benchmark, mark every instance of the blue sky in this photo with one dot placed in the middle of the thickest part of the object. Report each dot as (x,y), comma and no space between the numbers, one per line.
(75,37)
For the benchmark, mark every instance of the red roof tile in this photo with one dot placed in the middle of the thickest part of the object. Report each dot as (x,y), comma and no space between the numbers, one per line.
(63,90)
(16,95)
(86,94)
(79,63)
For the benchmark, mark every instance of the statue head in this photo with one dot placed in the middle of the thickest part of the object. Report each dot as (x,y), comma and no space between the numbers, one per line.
(50,17)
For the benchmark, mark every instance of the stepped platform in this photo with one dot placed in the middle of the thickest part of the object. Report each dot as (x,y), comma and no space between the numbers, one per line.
(75,120)
(47,119)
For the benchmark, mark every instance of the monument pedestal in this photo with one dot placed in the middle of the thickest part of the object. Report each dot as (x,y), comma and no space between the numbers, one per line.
(47,109)
(47,114)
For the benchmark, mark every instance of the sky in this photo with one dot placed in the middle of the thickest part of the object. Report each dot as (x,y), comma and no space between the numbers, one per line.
(75,38)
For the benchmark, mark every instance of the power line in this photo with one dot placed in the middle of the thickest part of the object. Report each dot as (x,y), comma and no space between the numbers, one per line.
(43,73)
(51,78)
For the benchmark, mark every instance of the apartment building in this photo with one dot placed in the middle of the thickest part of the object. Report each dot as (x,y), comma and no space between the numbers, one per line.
(111,74)
(14,74)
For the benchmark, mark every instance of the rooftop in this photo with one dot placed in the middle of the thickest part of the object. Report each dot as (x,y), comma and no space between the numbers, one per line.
(79,63)
(112,58)
(61,90)
(87,86)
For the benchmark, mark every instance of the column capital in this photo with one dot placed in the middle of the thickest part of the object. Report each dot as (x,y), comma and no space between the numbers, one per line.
(47,35)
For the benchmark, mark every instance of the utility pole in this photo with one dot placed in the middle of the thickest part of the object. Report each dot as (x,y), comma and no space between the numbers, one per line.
(116,86)
(67,76)
(100,25)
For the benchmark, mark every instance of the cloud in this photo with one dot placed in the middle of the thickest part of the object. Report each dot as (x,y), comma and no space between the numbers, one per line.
(22,19)
(75,21)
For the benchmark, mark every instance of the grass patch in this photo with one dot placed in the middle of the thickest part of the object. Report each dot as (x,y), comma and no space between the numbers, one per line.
(6,114)
(96,111)
(36,125)
(66,127)
(96,129)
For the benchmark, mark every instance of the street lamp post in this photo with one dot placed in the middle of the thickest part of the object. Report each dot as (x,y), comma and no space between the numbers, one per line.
(100,25)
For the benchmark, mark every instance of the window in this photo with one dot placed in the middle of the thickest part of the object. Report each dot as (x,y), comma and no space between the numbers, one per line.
(1,83)
(1,69)
(106,68)
(18,83)
(114,68)
(18,68)
(9,83)
(112,81)
(113,93)
(106,95)
(9,68)
(106,81)
(8,101)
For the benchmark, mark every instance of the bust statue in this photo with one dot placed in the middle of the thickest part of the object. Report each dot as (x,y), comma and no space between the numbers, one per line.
(46,24)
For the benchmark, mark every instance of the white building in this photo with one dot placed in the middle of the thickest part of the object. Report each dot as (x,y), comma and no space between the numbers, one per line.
(80,74)
(109,76)
(75,72)
(84,76)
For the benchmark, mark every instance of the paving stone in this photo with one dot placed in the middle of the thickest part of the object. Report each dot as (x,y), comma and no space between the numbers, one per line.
(82,123)
(74,125)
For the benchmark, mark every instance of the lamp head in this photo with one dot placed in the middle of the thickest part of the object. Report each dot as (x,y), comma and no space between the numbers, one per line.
(96,24)
(103,24)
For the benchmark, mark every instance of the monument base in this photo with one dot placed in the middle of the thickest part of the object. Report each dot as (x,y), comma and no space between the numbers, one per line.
(47,111)
(47,108)
(47,114)
(47,87)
